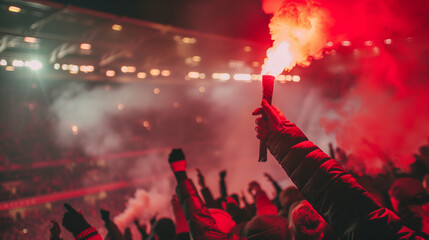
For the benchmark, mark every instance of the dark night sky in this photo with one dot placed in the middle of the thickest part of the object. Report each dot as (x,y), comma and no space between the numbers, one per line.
(235,18)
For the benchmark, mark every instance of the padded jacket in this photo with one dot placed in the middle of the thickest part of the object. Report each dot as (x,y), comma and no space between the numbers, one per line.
(335,194)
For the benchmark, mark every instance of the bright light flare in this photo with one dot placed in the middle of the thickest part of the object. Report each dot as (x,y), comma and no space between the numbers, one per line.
(300,31)
(155,72)
(86,68)
(75,129)
(224,77)
(3,62)
(116,27)
(34,64)
(278,58)
(14,9)
(242,77)
(196,58)
(165,73)
(30,39)
(17,63)
(388,41)
(146,124)
(141,75)
(85,46)
(74,69)
(194,75)
(189,40)
(221,76)
(128,69)
(296,78)
(110,73)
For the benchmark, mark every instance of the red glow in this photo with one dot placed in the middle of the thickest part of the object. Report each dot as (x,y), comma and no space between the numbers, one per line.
(299,31)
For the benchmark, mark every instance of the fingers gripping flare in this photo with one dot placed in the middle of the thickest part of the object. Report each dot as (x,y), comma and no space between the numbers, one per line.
(270,122)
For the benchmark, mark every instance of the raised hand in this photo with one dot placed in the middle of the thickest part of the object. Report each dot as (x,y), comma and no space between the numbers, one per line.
(254,187)
(73,221)
(222,174)
(269,177)
(55,231)
(201,180)
(105,215)
(176,155)
(274,122)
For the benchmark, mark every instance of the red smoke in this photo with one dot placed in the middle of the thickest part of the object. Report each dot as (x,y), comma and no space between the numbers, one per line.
(299,30)
(384,116)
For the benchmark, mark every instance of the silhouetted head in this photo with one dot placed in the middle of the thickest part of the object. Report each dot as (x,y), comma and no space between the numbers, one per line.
(287,197)
(223,219)
(305,222)
(265,227)
(165,229)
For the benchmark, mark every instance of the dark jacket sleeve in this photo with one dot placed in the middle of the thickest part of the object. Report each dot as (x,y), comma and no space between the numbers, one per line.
(88,234)
(334,193)
(201,224)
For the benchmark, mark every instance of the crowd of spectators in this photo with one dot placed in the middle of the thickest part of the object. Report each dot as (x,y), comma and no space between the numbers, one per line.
(326,203)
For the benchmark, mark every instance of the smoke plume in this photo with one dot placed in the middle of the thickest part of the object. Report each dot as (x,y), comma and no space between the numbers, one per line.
(300,31)
(379,119)
(147,204)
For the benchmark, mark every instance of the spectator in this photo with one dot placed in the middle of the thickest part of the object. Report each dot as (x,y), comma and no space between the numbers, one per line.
(410,202)
(75,223)
(305,223)
(334,193)
(287,197)
(271,227)
(201,223)
(164,229)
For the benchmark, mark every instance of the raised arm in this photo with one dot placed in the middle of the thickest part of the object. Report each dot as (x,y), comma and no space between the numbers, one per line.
(75,223)
(334,193)
(201,224)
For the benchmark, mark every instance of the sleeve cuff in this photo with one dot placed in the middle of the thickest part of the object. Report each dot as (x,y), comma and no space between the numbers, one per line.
(88,234)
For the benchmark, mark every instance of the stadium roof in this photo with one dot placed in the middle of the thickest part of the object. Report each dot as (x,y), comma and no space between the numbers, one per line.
(64,38)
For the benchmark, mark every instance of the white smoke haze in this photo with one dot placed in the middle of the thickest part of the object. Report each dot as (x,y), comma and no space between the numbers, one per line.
(147,204)
(91,109)
(385,97)
(228,123)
